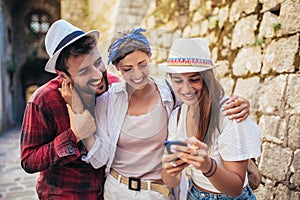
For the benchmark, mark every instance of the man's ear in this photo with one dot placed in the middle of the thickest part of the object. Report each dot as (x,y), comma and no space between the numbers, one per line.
(63,75)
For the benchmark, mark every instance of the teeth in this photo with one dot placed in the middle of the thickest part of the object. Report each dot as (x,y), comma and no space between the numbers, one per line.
(188,96)
(137,81)
(96,84)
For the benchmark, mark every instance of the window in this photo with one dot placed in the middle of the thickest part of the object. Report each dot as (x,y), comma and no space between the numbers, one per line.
(39,21)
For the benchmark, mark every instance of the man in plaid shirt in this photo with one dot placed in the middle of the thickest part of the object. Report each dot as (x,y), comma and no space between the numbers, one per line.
(52,142)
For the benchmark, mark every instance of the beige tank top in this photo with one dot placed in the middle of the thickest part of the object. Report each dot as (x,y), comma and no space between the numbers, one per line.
(141,144)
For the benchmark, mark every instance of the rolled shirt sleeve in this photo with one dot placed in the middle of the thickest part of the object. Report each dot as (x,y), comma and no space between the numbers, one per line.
(239,140)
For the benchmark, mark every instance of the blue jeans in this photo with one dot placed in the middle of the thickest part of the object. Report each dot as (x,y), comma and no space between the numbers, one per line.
(195,194)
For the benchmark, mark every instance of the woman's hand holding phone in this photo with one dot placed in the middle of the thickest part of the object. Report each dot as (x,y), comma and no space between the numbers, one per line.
(196,154)
(170,161)
(190,151)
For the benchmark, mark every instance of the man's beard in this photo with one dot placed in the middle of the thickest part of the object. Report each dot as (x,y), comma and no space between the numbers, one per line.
(105,79)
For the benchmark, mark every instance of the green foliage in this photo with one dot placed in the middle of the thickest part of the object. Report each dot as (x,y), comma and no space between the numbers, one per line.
(213,21)
(258,42)
(276,26)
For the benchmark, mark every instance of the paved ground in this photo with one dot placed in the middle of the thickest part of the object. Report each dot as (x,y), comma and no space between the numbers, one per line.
(15,183)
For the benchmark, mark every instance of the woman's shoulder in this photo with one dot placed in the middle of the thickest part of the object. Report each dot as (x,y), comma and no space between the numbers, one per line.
(240,140)
(223,101)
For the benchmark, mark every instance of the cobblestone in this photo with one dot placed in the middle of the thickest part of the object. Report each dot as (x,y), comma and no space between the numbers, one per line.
(15,183)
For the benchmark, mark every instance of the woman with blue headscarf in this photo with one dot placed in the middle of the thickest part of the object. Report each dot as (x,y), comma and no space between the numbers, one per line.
(134,113)
(132,119)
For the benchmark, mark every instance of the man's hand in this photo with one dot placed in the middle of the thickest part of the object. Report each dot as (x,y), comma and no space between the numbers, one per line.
(83,124)
(237,108)
(71,96)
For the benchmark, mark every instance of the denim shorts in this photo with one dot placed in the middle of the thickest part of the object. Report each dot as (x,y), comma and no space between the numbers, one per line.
(196,194)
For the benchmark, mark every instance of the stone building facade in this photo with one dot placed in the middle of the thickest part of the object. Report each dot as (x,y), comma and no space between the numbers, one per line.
(23,56)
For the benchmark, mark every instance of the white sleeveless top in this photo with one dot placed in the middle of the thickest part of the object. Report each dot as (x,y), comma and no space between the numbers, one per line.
(141,144)
(237,141)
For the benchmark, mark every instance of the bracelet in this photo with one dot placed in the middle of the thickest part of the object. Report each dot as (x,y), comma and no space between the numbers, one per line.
(212,170)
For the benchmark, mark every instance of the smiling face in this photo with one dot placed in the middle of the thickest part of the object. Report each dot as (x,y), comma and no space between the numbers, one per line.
(188,86)
(86,72)
(135,69)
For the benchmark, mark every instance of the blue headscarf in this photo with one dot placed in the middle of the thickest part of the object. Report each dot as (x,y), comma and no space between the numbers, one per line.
(133,35)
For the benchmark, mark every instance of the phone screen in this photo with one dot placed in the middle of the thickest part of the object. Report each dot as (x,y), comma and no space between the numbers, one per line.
(168,143)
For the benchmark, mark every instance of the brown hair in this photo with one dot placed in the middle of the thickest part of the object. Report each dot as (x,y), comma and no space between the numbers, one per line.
(209,105)
(82,46)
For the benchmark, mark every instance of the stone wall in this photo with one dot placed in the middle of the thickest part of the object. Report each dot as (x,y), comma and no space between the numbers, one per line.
(257,45)
(76,12)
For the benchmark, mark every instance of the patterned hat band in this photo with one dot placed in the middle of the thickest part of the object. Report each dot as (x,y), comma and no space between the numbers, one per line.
(190,62)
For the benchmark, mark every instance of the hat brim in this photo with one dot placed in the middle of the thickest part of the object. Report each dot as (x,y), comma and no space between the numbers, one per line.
(50,66)
(184,69)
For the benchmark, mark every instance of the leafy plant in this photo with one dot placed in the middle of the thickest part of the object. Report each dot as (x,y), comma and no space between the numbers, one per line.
(258,42)
(276,26)
(213,21)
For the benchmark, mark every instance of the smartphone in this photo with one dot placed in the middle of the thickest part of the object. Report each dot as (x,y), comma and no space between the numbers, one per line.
(168,143)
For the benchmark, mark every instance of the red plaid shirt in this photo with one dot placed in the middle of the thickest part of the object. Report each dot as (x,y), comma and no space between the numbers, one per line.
(49,146)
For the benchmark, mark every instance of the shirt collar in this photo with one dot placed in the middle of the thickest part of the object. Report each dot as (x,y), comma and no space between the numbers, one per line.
(121,86)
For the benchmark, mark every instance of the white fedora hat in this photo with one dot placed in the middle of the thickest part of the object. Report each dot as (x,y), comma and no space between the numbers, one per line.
(188,55)
(61,34)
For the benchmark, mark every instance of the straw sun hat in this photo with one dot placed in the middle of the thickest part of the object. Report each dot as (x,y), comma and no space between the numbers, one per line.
(188,55)
(61,34)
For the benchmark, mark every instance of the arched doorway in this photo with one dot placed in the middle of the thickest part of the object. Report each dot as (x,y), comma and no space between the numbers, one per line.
(33,75)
